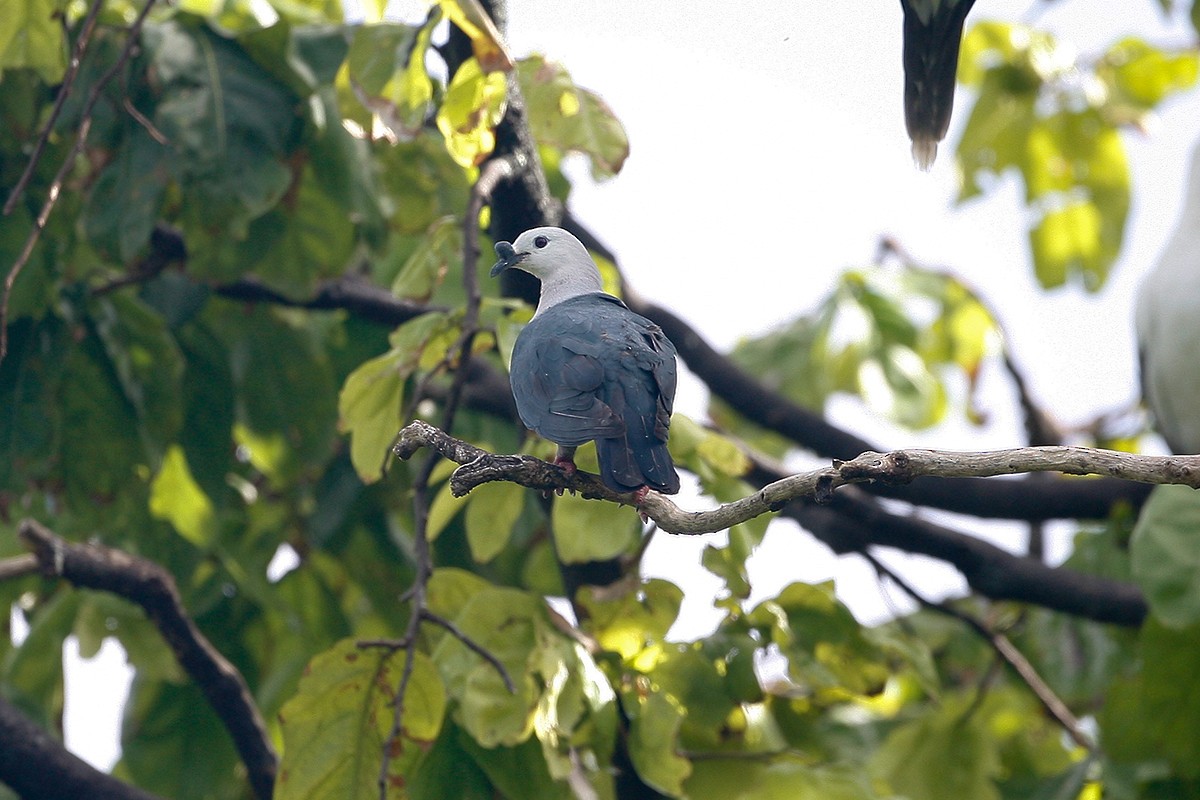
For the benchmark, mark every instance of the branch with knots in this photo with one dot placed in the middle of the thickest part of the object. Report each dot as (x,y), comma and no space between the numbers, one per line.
(897,467)
(849,521)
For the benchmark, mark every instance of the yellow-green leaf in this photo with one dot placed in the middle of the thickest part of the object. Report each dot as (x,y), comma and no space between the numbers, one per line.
(492,511)
(470,111)
(591,530)
(177,498)
(335,727)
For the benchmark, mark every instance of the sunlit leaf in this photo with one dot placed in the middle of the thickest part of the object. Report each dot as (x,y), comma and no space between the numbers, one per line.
(586,530)
(32,36)
(653,739)
(572,119)
(335,727)
(470,112)
(493,510)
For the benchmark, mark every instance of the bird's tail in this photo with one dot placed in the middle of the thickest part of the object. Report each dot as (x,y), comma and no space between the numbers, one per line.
(626,465)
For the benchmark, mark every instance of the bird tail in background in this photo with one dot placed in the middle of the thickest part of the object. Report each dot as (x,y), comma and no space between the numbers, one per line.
(932,36)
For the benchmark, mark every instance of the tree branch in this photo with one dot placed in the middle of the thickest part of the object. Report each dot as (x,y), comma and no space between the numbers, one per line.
(35,765)
(854,520)
(94,566)
(1051,499)
(900,466)
(849,524)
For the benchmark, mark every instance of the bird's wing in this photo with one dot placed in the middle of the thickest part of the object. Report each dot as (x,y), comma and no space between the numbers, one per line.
(557,378)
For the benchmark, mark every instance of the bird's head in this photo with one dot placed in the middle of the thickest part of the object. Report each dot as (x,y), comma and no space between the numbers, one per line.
(543,253)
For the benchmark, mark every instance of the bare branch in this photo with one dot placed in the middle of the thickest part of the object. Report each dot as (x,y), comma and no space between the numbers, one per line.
(991,499)
(34,764)
(899,466)
(18,567)
(94,566)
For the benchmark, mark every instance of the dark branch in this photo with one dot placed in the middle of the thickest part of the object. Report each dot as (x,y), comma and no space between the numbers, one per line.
(94,566)
(1049,499)
(34,764)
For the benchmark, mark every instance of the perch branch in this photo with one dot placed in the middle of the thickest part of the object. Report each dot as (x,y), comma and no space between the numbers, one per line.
(34,764)
(900,466)
(94,566)
(52,194)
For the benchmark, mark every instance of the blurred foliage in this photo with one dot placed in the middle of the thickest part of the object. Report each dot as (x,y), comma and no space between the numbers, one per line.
(1055,117)
(223,439)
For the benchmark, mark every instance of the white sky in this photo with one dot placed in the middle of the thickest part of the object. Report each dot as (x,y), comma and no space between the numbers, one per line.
(768,154)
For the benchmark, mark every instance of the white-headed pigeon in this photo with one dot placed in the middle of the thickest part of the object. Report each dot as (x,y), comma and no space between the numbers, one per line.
(586,367)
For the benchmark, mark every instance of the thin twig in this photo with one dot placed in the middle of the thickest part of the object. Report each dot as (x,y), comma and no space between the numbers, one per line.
(52,194)
(491,175)
(473,646)
(64,91)
(1006,650)
(94,566)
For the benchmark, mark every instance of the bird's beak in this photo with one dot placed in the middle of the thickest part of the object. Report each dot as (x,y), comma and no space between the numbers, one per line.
(508,258)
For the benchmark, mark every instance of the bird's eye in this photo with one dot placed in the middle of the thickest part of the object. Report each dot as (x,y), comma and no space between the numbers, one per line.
(540,241)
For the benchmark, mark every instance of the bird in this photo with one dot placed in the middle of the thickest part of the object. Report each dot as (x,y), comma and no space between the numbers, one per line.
(1167,321)
(932,35)
(586,367)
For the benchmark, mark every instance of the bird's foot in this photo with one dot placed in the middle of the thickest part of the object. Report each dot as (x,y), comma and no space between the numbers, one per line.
(567,465)
(639,496)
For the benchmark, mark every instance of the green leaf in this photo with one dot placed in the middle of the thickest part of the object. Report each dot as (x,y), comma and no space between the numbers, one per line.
(946,754)
(30,415)
(176,498)
(827,649)
(438,253)
(504,622)
(286,409)
(590,530)
(126,200)
(653,743)
(572,119)
(147,363)
(1166,556)
(1154,714)
(33,37)
(493,510)
(470,111)
(231,125)
(633,620)
(167,724)
(783,778)
(1144,75)
(291,247)
(386,66)
(369,409)
(33,673)
(335,727)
